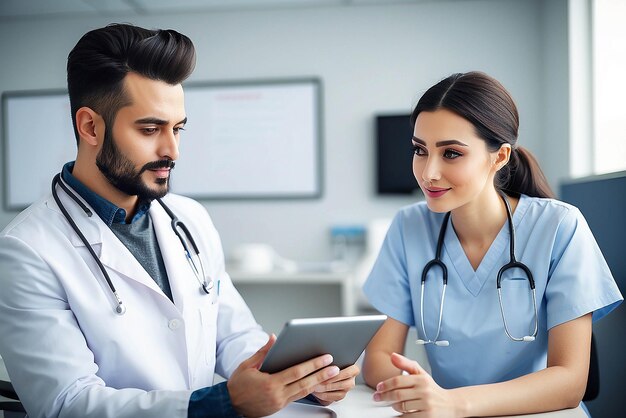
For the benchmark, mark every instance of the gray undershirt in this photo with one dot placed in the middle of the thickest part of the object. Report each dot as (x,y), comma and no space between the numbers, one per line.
(140,239)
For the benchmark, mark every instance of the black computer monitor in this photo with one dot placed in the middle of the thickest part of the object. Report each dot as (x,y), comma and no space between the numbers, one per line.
(602,200)
(394,155)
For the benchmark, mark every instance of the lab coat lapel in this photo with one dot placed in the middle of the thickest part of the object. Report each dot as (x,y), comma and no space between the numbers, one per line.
(181,276)
(89,225)
(110,250)
(116,256)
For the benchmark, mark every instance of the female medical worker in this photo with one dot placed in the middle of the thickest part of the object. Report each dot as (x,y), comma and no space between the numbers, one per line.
(468,164)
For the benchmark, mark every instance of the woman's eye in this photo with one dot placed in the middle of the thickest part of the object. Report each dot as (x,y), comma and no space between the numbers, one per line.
(451,154)
(418,150)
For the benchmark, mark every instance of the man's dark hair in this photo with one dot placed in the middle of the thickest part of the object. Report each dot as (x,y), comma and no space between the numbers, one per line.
(97,65)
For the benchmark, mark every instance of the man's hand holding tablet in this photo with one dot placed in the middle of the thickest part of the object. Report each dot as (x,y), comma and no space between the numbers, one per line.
(311,356)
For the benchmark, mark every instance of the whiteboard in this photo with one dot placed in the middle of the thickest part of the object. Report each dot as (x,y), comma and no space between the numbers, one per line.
(250,140)
(38,138)
(242,140)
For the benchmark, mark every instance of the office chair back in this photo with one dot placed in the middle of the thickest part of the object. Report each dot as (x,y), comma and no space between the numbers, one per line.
(593,380)
(10,407)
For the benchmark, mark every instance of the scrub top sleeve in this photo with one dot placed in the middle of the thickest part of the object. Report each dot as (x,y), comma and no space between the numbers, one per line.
(579,280)
(387,286)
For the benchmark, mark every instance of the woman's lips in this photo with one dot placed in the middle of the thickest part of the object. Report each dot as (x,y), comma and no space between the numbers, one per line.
(435,191)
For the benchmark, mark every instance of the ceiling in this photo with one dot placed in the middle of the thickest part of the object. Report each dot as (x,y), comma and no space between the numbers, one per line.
(28,9)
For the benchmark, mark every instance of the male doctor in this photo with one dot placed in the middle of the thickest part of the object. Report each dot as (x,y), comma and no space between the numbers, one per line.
(103,313)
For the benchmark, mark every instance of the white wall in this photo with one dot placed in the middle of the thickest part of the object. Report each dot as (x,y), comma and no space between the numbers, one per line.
(554,153)
(371,59)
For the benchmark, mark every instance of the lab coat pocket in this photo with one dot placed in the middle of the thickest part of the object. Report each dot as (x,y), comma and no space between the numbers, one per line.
(208,333)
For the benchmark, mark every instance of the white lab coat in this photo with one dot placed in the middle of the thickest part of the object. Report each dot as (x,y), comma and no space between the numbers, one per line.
(70,355)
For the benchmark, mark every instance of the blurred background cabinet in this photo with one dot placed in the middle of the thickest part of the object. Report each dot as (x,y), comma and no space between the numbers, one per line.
(276,297)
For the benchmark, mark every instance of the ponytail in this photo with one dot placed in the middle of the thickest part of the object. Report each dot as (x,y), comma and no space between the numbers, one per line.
(522,175)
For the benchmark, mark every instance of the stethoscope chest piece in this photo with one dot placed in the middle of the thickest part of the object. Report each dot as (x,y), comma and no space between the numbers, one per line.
(207,287)
(120,308)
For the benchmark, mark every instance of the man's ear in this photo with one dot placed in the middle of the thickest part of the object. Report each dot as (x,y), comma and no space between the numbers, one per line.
(90,126)
(502,156)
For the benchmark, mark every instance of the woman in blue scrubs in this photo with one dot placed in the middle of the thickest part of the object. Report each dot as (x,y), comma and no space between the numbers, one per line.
(492,351)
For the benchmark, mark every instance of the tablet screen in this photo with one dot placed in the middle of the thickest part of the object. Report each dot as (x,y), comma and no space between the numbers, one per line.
(300,340)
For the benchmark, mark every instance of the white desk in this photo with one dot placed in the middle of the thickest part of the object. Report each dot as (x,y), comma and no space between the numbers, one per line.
(279,296)
(359,404)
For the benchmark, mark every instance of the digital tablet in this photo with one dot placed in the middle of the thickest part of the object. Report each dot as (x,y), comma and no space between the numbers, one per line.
(300,340)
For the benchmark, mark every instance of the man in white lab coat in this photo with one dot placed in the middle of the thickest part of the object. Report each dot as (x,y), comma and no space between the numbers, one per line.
(106,307)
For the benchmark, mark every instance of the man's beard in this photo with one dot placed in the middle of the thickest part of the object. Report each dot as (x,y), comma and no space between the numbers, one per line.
(121,173)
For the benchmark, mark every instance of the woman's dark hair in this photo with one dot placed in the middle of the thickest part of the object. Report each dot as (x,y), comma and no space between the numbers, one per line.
(485,103)
(97,65)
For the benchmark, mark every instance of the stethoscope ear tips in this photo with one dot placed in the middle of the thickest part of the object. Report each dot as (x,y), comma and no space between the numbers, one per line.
(120,309)
(420,342)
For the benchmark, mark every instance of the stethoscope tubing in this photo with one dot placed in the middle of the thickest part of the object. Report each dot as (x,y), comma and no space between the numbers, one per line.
(513,263)
(176,224)
(120,308)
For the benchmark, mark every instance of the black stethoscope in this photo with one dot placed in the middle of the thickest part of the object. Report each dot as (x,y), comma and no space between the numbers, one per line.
(178,226)
(510,265)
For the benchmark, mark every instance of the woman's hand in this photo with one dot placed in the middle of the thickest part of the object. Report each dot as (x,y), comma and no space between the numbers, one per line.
(416,394)
(336,388)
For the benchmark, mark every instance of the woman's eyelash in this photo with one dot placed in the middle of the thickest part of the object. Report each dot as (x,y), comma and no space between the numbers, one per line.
(452,154)
(448,153)
(417,149)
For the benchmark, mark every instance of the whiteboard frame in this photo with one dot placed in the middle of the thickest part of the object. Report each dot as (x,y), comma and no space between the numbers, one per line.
(316,192)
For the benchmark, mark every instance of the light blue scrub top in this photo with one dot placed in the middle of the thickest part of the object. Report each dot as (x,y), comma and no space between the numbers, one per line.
(552,239)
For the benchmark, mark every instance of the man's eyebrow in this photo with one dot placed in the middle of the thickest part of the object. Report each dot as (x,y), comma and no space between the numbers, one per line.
(156,121)
(441,143)
(151,121)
